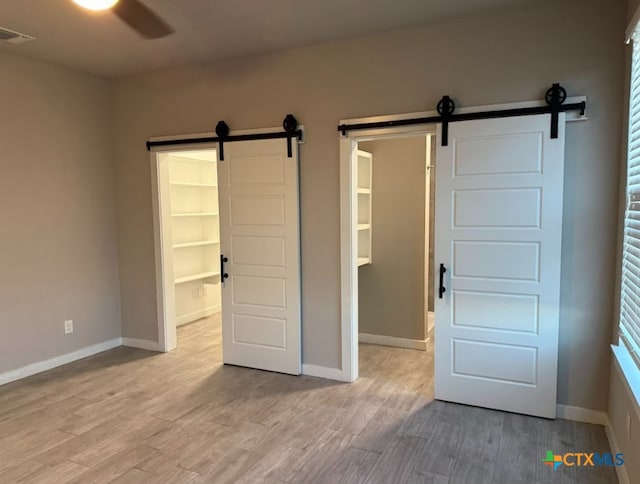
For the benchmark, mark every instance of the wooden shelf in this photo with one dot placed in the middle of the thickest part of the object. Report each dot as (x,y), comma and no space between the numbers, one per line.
(195,244)
(195,277)
(364,188)
(195,214)
(192,211)
(190,184)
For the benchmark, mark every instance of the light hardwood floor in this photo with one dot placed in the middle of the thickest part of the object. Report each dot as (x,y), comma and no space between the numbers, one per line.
(132,416)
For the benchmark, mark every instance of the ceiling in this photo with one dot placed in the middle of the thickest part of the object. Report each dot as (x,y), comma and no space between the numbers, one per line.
(98,42)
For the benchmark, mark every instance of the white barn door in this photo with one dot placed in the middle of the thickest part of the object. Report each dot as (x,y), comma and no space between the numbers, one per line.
(499,187)
(259,227)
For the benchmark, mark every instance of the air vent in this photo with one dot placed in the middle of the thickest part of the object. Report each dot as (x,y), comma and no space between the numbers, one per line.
(14,37)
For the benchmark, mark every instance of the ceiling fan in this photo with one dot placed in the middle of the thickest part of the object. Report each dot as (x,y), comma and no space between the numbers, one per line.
(135,14)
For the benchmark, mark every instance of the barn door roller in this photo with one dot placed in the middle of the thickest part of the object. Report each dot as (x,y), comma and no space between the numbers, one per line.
(555,97)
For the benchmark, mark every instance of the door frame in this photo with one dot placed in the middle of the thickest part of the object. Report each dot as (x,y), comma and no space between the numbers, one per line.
(348,214)
(349,231)
(429,165)
(165,295)
(165,288)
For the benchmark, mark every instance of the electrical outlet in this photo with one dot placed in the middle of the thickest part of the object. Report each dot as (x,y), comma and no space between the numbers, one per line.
(628,427)
(68,327)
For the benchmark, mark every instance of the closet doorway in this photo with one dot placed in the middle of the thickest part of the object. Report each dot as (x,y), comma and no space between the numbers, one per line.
(227,243)
(499,181)
(394,199)
(188,215)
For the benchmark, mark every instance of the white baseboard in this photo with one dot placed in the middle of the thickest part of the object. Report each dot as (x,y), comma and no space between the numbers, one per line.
(143,344)
(579,414)
(45,365)
(202,313)
(376,339)
(322,372)
(621,471)
(627,369)
(586,415)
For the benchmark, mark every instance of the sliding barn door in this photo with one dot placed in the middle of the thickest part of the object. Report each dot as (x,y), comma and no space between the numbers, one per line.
(259,226)
(498,235)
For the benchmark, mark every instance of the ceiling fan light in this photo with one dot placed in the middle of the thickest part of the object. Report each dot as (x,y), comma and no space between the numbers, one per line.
(96,4)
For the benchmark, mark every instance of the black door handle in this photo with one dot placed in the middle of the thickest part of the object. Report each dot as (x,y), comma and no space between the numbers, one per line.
(223,274)
(442,289)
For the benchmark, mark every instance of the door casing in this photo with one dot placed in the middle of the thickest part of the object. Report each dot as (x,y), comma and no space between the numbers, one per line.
(349,237)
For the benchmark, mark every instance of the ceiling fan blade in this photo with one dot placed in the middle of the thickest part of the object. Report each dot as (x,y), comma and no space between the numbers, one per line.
(142,19)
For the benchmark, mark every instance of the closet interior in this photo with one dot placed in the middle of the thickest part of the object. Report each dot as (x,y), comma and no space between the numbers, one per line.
(192,216)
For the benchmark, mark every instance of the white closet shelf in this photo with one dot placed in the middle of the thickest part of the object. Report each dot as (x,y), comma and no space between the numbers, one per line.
(364,188)
(193,184)
(195,214)
(195,277)
(195,244)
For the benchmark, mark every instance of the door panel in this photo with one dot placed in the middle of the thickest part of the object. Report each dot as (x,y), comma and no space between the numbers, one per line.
(259,291)
(259,222)
(497,208)
(256,210)
(506,312)
(496,260)
(486,360)
(259,331)
(263,251)
(498,232)
(497,152)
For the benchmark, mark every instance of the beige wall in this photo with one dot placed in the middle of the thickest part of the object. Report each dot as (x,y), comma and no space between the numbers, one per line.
(58,247)
(502,57)
(391,290)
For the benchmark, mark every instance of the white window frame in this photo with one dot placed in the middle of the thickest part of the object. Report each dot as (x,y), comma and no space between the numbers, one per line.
(626,349)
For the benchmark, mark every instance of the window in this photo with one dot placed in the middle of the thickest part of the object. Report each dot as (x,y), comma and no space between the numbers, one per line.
(630,284)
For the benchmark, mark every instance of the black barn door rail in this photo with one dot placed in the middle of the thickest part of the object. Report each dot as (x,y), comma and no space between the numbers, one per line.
(289,125)
(555,97)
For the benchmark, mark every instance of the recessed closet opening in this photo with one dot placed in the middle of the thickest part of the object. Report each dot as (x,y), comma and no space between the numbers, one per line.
(190,238)
(395,196)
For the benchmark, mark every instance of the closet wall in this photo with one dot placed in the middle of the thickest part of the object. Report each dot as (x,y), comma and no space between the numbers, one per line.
(195,233)
(392,288)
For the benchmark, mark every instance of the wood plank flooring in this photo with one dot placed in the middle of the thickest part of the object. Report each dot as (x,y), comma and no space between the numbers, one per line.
(132,416)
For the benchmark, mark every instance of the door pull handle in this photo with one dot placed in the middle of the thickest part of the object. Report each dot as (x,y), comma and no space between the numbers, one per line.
(223,274)
(442,289)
